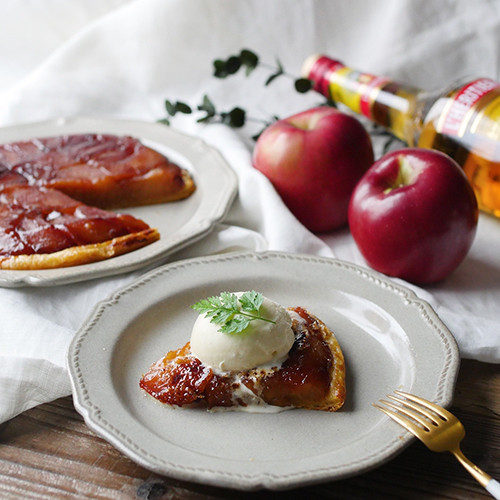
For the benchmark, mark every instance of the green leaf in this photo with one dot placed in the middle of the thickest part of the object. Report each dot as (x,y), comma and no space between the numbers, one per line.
(233,64)
(182,107)
(229,300)
(249,59)
(224,310)
(235,118)
(236,325)
(222,316)
(220,69)
(203,119)
(303,85)
(251,301)
(207,106)
(208,305)
(170,107)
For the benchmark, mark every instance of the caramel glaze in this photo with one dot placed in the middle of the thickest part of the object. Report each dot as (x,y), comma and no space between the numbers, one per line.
(304,377)
(39,220)
(302,380)
(102,170)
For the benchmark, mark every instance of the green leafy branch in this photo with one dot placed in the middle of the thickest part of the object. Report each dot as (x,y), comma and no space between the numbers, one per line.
(236,117)
(233,314)
(249,60)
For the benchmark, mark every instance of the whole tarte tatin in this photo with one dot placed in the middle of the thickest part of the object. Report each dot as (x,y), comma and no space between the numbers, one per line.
(50,189)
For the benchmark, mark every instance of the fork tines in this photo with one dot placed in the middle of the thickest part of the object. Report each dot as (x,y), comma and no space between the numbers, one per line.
(421,412)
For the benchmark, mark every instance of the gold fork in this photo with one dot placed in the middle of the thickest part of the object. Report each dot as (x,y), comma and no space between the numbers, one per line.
(437,428)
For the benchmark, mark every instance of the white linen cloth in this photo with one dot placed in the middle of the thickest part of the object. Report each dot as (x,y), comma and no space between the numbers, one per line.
(123,58)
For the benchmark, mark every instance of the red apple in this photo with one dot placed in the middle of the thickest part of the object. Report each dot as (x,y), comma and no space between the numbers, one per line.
(414,215)
(314,159)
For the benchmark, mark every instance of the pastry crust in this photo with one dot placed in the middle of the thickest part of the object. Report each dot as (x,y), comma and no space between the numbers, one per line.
(81,254)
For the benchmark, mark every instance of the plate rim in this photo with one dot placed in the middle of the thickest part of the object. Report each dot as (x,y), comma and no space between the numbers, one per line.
(199,224)
(92,413)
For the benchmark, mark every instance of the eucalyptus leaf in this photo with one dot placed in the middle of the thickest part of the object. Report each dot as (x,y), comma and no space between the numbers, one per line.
(235,118)
(249,59)
(170,107)
(182,107)
(233,64)
(207,106)
(220,69)
(303,85)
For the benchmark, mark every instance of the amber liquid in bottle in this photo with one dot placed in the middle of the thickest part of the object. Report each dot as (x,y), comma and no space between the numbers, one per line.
(463,121)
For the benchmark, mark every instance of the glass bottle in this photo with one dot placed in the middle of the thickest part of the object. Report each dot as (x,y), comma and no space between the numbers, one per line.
(462,120)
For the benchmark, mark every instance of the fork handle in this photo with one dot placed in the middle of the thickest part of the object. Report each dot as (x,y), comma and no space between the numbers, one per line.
(491,485)
(493,488)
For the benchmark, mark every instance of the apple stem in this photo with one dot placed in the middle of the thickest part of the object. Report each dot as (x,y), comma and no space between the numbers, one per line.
(405,175)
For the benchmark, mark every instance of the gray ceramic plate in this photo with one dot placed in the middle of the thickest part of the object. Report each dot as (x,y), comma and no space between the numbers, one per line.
(390,338)
(180,223)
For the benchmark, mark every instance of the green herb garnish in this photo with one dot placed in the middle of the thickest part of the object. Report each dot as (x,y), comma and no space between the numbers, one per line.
(231,312)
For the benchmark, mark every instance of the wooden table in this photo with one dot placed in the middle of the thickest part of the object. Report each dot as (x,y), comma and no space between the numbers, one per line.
(49,452)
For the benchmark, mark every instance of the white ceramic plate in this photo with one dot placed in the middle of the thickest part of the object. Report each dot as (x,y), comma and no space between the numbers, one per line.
(180,223)
(390,339)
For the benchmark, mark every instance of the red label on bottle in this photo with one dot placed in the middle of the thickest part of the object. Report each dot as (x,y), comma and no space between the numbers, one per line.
(320,74)
(465,99)
(371,83)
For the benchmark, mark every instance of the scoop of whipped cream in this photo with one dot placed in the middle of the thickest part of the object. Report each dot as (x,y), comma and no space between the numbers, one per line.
(261,343)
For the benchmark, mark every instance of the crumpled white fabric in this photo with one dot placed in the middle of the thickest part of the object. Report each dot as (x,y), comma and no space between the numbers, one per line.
(123,58)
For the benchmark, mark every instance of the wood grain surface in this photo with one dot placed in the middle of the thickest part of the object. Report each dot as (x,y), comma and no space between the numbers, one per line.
(48,452)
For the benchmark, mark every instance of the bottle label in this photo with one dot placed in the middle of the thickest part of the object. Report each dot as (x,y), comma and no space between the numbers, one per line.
(340,83)
(321,73)
(462,105)
(355,89)
(369,91)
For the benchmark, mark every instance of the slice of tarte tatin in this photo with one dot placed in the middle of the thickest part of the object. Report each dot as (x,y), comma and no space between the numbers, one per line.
(311,377)
(44,229)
